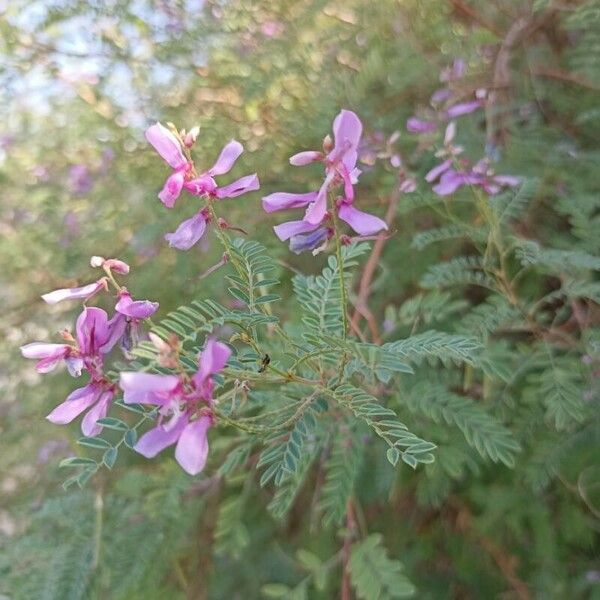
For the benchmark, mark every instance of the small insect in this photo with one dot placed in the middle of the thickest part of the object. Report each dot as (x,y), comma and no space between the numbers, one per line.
(264,363)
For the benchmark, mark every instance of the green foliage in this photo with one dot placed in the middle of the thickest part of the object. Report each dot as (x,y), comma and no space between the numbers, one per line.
(374,575)
(481,430)
(384,422)
(490,346)
(320,296)
(341,471)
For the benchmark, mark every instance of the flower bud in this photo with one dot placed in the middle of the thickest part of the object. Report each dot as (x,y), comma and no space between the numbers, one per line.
(327,144)
(114,264)
(191,136)
(97,261)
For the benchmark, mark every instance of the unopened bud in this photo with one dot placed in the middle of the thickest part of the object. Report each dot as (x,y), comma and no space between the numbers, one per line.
(96,261)
(327,144)
(117,265)
(191,136)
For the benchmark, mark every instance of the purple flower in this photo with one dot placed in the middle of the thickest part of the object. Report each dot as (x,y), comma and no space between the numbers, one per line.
(80,180)
(125,325)
(339,159)
(185,407)
(480,175)
(185,177)
(94,337)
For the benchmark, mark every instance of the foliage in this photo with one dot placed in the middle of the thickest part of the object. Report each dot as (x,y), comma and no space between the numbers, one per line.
(465,345)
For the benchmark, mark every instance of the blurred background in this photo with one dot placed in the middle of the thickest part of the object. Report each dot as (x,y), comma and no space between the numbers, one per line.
(80,82)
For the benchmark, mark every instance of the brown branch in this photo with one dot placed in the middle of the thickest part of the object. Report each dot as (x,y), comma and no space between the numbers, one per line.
(346,593)
(361,307)
(468,11)
(565,76)
(506,562)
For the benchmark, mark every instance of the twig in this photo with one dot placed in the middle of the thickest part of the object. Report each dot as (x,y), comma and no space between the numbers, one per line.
(364,290)
(468,11)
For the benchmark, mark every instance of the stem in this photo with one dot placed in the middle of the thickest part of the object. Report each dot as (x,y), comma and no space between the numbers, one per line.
(340,261)
(98,506)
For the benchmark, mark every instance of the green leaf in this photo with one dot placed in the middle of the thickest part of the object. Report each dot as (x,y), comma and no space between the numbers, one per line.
(113,423)
(94,442)
(110,457)
(130,438)
(76,461)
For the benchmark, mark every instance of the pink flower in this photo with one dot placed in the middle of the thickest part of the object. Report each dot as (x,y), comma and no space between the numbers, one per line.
(169,148)
(185,407)
(340,171)
(94,338)
(126,323)
(184,176)
(481,175)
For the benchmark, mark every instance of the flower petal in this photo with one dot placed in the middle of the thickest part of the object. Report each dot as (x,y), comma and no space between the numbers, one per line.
(416,125)
(362,222)
(76,402)
(192,448)
(300,243)
(79,293)
(450,181)
(212,359)
(137,309)
(92,330)
(167,145)
(315,213)
(147,388)
(160,437)
(43,350)
(347,130)
(464,108)
(116,327)
(227,158)
(285,231)
(438,170)
(188,233)
(89,428)
(200,186)
(172,189)
(249,183)
(304,158)
(284,200)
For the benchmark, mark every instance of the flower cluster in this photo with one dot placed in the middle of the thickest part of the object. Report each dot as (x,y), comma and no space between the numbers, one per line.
(454,172)
(447,103)
(339,159)
(174,147)
(184,404)
(95,336)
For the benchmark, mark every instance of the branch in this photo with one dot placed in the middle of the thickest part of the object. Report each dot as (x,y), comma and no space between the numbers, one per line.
(361,307)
